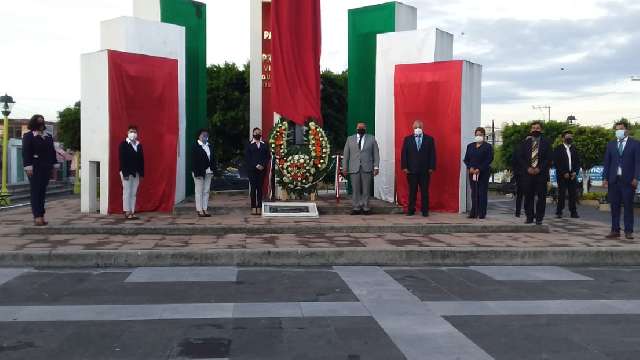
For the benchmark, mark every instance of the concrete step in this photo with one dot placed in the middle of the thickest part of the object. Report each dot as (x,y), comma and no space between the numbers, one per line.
(326,257)
(323,209)
(299,229)
(25,196)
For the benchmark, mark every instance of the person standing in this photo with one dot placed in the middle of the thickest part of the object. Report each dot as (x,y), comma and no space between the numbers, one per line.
(621,174)
(535,158)
(361,161)
(131,171)
(418,161)
(567,161)
(478,159)
(257,157)
(39,161)
(203,167)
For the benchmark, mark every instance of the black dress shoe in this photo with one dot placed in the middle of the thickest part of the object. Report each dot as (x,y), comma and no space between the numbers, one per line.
(425,214)
(538,222)
(517,214)
(411,213)
(482,217)
(529,221)
(575,216)
(628,235)
(613,235)
(471,216)
(366,212)
(559,216)
(355,212)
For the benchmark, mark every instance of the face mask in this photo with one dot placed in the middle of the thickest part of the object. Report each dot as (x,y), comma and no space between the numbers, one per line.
(620,134)
(257,137)
(205,139)
(536,133)
(41,126)
(568,141)
(132,136)
(417,132)
(479,139)
(362,131)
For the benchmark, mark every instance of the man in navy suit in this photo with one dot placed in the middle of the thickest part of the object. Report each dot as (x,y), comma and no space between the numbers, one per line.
(621,173)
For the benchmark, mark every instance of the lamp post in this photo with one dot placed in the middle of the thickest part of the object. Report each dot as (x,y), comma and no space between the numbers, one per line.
(6,103)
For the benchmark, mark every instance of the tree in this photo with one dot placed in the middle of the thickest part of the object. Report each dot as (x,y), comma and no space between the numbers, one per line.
(228,111)
(334,107)
(69,127)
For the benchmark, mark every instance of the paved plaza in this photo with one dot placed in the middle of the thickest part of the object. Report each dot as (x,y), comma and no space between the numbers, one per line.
(333,313)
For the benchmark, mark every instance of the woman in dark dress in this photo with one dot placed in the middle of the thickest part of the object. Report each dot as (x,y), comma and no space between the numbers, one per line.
(39,160)
(478,159)
(256,157)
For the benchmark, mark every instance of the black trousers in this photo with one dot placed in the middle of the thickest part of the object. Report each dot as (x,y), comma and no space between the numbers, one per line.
(479,195)
(519,195)
(415,181)
(38,187)
(565,185)
(535,193)
(256,182)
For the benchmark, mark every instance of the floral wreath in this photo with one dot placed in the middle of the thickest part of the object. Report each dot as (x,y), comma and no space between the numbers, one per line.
(299,167)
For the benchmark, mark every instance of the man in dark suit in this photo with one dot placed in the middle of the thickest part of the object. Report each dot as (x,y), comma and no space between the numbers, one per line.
(621,173)
(418,161)
(39,160)
(535,159)
(257,157)
(567,161)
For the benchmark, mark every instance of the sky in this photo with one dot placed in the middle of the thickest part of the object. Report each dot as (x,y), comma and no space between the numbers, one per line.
(575,56)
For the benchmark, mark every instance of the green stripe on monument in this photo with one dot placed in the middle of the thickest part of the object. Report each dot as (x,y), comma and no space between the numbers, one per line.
(192,16)
(364,25)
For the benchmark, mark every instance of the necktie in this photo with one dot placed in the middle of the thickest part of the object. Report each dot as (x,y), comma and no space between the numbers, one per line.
(419,142)
(534,154)
(620,147)
(360,142)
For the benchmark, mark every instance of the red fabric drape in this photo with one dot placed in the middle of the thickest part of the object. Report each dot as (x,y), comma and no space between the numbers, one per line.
(431,93)
(143,91)
(296,59)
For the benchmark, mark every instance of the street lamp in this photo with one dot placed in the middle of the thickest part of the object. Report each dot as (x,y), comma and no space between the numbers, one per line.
(6,104)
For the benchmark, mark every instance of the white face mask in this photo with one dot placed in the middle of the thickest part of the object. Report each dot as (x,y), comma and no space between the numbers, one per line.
(620,134)
(132,136)
(479,139)
(417,132)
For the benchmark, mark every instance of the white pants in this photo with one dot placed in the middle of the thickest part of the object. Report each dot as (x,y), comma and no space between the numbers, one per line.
(203,186)
(129,193)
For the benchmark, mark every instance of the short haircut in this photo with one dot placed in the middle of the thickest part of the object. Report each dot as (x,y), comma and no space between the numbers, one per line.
(419,122)
(358,124)
(132,127)
(537,122)
(33,122)
(567,132)
(623,123)
(200,131)
(254,129)
(481,129)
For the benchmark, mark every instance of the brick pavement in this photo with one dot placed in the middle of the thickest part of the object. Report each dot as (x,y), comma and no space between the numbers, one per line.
(568,233)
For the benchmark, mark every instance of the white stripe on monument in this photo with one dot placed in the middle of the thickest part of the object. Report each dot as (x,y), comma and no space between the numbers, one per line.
(529,273)
(183,274)
(8,274)
(411,325)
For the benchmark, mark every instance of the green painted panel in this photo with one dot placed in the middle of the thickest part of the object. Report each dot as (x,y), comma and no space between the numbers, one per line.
(192,15)
(364,24)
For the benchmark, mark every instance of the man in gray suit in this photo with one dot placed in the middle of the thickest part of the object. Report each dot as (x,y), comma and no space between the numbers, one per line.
(361,162)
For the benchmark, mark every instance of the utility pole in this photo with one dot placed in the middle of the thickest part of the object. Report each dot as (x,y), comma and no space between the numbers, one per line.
(544,107)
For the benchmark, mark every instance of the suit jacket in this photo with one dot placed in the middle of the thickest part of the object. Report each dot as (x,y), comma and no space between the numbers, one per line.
(131,161)
(418,161)
(479,157)
(561,160)
(365,160)
(545,156)
(254,156)
(200,162)
(38,152)
(629,161)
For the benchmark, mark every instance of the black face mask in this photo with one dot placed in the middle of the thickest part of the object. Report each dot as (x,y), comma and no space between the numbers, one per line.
(257,137)
(362,131)
(536,133)
(568,141)
(41,126)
